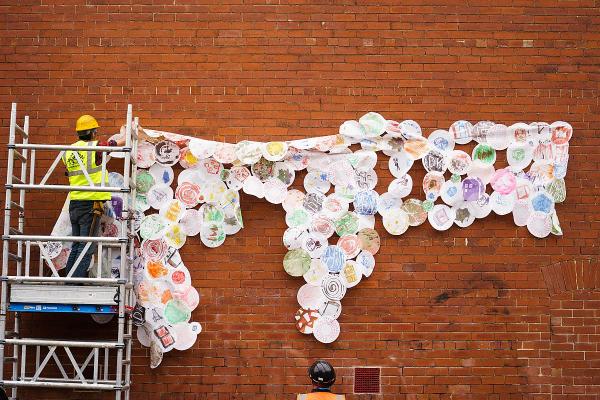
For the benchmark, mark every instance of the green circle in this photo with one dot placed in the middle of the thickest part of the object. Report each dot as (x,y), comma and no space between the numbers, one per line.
(427,205)
(484,153)
(177,311)
(347,224)
(296,262)
(558,190)
(144,182)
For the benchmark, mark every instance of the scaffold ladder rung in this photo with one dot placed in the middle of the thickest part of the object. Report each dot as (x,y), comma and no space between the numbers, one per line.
(14,257)
(20,156)
(21,131)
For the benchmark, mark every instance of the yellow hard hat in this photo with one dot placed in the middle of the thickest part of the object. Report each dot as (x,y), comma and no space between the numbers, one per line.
(86,122)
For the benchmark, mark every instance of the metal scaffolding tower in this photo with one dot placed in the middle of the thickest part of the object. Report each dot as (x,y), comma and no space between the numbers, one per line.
(39,362)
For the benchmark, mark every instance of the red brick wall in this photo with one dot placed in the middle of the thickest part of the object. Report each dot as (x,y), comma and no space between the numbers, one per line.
(464,314)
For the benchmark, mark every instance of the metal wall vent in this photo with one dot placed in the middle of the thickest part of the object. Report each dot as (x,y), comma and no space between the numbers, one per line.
(367,380)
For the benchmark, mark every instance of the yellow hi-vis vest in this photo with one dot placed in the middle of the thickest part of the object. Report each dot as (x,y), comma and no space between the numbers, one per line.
(77,177)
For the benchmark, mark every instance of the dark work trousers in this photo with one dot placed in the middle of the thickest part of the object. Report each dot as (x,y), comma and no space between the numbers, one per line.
(81,213)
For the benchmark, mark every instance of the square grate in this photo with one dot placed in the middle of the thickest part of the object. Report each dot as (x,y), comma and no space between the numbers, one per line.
(367,380)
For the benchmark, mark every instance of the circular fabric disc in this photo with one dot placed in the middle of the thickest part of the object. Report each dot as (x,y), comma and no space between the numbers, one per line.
(317,272)
(212,234)
(326,330)
(432,185)
(167,153)
(158,195)
(396,221)
(481,171)
(145,155)
(163,174)
(369,240)
(481,207)
(561,132)
(350,245)
(472,189)
(314,244)
(202,149)
(323,225)
(503,181)
(172,211)
(485,153)
(188,193)
(462,131)
(153,226)
(154,250)
(502,204)
(331,309)
(310,296)
(275,191)
(365,202)
(305,320)
(367,261)
(274,151)
(388,201)
(441,217)
(254,187)
(144,181)
(401,187)
(316,181)
(333,258)
(451,192)
(293,200)
(519,155)
(539,224)
(459,162)
(296,262)
(498,137)
(347,224)
(542,201)
(334,206)
(521,212)
(294,237)
(373,123)
(352,273)
(464,215)
(435,161)
(186,336)
(414,209)
(400,163)
(441,140)
(333,287)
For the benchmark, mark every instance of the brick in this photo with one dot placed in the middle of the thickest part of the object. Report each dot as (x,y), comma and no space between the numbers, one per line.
(487,312)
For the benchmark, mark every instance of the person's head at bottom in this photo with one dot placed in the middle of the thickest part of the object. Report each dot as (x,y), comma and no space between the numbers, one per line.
(322,375)
(3,395)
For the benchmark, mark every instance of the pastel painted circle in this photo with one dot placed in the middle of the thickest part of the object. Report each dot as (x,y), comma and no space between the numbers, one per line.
(350,244)
(396,221)
(441,217)
(369,240)
(333,287)
(326,330)
(333,258)
(296,262)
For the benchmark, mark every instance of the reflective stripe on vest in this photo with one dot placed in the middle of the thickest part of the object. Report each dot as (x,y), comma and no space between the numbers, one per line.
(320,396)
(76,174)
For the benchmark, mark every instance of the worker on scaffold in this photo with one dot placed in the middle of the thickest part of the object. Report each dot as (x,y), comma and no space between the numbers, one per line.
(322,376)
(86,208)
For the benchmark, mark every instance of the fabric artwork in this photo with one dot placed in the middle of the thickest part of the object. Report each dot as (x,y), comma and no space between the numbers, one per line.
(331,240)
